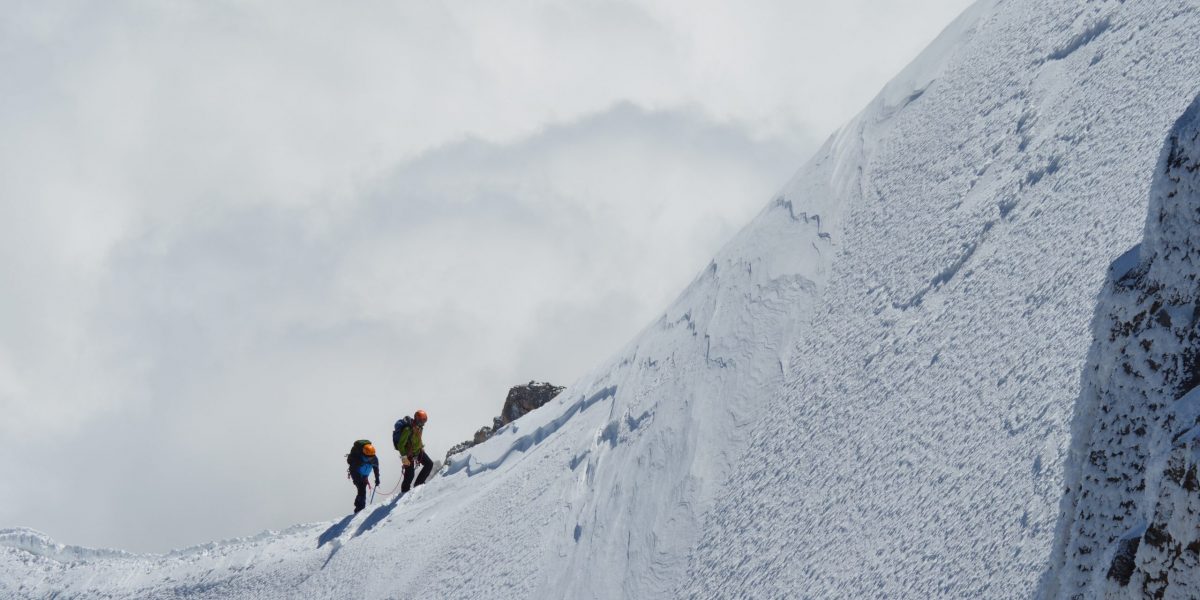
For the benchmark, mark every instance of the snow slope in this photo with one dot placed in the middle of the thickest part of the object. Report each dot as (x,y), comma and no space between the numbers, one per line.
(918,452)
(868,393)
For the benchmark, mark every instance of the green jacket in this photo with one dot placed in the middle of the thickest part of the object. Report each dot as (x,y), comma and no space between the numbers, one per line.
(410,440)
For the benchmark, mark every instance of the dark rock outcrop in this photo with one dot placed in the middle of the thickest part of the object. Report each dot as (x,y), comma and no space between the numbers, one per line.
(480,436)
(521,400)
(1132,507)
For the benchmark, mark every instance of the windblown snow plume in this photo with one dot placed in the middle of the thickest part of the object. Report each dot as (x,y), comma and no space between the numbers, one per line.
(869,393)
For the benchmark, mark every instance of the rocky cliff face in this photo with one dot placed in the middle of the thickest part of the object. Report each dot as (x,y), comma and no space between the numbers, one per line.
(520,401)
(524,398)
(1131,516)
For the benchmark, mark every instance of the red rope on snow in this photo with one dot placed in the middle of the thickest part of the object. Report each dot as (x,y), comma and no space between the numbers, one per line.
(394,489)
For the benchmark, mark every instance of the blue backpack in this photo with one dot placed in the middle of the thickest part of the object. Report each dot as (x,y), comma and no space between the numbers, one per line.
(358,461)
(364,470)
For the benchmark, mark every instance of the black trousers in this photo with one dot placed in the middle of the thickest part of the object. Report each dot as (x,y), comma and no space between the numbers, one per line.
(360,501)
(426,467)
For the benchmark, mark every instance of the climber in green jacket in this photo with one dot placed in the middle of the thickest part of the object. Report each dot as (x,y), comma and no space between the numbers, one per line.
(407,438)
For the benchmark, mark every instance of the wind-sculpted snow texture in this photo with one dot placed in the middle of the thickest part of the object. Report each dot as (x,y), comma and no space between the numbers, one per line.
(1131,517)
(867,394)
(917,453)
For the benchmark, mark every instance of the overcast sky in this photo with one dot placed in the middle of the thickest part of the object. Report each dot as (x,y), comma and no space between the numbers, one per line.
(237,236)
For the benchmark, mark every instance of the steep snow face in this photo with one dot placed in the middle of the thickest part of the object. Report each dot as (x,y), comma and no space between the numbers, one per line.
(866,394)
(918,450)
(1131,516)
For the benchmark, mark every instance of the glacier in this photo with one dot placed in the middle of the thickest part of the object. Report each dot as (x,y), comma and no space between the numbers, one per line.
(883,387)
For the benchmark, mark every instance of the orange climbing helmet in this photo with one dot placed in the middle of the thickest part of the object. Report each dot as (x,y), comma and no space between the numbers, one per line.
(368,450)
(421,417)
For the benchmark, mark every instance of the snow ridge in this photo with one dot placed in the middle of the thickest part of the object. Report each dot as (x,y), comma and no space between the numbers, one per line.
(525,442)
(39,544)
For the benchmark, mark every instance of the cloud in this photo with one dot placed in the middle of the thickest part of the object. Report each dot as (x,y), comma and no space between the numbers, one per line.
(253,343)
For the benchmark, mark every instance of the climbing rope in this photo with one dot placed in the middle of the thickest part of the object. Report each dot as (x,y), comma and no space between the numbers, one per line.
(391,493)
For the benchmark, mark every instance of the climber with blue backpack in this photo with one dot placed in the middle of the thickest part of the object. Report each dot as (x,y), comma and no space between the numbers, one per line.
(406,437)
(362,461)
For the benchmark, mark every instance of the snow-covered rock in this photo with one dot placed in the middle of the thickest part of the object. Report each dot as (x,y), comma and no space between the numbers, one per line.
(1131,516)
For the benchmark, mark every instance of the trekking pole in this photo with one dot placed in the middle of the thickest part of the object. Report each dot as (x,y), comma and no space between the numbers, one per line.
(372,494)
